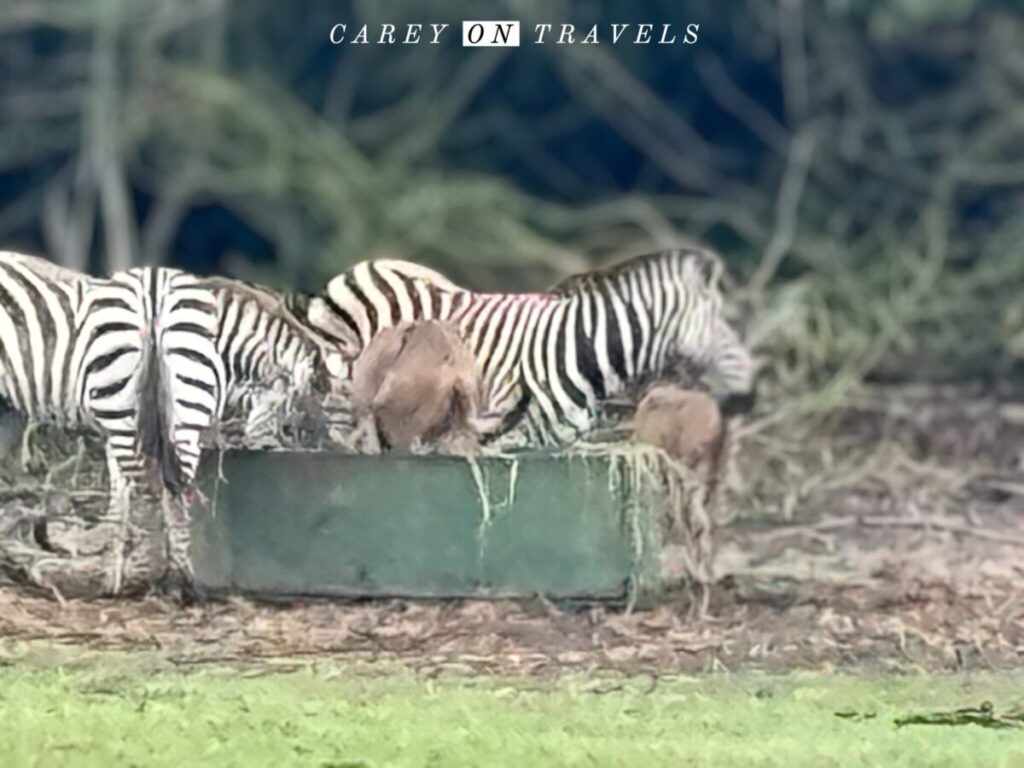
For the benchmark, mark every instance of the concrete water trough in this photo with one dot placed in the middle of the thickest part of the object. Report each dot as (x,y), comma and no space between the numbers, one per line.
(284,524)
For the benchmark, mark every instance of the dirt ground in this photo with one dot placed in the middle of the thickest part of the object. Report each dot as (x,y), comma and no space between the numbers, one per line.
(892,541)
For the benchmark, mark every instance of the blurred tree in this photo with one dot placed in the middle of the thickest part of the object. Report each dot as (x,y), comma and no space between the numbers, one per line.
(858,161)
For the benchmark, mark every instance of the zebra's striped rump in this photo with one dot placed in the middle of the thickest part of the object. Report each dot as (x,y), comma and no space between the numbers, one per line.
(180,391)
(131,355)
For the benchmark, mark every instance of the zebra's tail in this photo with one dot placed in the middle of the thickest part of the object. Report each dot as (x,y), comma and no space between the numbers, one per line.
(156,419)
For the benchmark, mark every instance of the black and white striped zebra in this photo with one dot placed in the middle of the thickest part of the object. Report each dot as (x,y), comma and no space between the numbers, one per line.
(129,356)
(43,361)
(548,360)
(269,359)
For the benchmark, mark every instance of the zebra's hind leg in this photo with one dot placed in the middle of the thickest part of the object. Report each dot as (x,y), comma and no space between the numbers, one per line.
(137,553)
(180,574)
(26,445)
(145,562)
(119,514)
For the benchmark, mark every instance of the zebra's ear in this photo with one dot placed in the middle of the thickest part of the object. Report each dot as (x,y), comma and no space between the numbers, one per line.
(329,328)
(710,268)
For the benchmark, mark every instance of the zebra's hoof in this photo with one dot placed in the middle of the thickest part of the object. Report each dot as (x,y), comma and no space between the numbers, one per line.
(183,587)
(191,593)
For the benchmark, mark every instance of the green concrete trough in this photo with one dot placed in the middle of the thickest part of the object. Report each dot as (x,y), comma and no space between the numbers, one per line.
(339,525)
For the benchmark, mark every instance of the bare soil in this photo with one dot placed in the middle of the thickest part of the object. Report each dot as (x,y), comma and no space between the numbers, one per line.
(889,538)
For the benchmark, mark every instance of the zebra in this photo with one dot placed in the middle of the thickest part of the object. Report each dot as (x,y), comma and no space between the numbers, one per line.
(549,360)
(181,392)
(128,355)
(269,359)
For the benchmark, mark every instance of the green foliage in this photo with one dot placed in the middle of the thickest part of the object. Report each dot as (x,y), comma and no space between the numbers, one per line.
(117,710)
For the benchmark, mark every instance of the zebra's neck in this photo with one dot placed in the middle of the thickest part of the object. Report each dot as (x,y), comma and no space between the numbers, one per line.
(260,347)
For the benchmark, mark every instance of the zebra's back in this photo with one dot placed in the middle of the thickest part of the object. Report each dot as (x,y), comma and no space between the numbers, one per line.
(373,295)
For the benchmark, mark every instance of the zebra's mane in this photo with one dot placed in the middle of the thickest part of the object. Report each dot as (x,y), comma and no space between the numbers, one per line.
(290,304)
(709,266)
(267,298)
(45,269)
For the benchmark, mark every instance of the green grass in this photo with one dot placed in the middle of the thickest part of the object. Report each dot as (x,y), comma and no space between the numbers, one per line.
(110,710)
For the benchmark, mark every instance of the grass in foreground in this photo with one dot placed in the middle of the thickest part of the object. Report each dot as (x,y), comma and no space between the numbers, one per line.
(115,709)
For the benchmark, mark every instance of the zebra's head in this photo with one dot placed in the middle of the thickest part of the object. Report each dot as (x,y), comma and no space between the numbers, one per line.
(705,337)
(693,301)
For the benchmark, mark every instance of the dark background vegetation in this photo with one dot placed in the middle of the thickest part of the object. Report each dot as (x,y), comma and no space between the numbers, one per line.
(859,163)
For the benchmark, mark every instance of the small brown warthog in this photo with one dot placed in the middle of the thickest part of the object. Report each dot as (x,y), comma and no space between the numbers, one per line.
(416,384)
(686,424)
